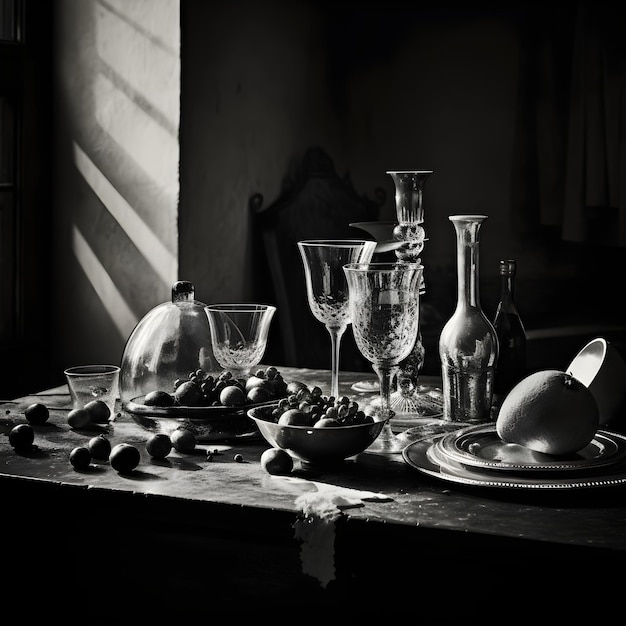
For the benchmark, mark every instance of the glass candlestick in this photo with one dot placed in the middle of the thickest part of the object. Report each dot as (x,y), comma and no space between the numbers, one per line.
(414,404)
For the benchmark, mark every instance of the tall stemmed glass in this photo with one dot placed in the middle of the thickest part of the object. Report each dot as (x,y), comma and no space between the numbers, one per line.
(327,290)
(384,309)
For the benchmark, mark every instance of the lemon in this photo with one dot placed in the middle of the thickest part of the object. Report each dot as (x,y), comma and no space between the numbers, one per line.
(549,411)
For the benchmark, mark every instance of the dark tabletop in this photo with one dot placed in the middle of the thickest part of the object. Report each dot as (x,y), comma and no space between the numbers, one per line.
(490,527)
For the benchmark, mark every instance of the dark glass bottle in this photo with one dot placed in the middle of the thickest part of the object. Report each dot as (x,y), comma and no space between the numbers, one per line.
(511,364)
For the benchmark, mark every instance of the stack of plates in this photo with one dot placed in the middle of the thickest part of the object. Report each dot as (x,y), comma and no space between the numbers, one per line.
(475,455)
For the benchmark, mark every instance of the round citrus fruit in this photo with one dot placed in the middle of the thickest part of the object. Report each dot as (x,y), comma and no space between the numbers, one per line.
(21,437)
(80,457)
(100,447)
(124,458)
(159,445)
(99,411)
(276,461)
(549,411)
(183,440)
(79,418)
(36,413)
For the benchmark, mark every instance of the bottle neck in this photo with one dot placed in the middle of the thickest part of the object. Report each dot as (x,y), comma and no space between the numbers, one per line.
(506,289)
(507,284)
(467,242)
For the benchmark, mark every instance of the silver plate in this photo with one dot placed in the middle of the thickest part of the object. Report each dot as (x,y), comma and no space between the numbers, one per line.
(422,456)
(481,447)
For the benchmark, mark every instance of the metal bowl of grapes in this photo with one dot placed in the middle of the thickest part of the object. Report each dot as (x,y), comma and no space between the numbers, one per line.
(315,429)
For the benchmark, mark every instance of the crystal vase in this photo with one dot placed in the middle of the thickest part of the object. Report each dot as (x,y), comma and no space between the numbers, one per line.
(468,345)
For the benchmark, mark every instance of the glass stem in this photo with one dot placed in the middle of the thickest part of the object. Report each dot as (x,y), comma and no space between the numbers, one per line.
(386,374)
(336,333)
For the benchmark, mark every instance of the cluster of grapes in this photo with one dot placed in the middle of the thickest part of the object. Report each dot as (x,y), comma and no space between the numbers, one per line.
(343,410)
(203,389)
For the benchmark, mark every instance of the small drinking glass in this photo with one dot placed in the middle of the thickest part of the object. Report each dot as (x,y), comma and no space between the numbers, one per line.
(93,382)
(239,335)
(384,310)
(327,289)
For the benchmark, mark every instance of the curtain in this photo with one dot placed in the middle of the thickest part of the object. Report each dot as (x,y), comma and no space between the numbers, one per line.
(581,123)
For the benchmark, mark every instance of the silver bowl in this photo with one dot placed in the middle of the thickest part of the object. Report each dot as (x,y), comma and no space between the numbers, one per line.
(318,446)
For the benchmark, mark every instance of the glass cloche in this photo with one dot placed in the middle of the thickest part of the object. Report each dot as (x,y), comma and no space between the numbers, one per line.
(172,340)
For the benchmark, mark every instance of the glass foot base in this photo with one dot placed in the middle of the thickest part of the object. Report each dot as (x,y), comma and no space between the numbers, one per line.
(425,427)
(366,386)
(411,407)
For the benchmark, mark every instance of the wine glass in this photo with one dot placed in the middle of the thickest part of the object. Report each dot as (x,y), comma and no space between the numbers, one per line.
(386,245)
(239,335)
(384,311)
(327,289)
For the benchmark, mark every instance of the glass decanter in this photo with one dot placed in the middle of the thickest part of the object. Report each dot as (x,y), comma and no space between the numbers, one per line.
(468,345)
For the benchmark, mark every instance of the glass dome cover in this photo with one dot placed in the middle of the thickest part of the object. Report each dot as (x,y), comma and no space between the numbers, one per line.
(170,341)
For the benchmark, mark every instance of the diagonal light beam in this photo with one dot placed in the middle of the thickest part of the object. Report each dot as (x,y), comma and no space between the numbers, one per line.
(164,263)
(112,300)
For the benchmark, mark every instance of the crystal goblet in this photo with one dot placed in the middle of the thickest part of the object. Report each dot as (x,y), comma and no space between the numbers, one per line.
(327,289)
(384,310)
(239,335)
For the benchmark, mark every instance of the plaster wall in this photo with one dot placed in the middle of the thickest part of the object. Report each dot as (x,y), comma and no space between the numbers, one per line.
(393,86)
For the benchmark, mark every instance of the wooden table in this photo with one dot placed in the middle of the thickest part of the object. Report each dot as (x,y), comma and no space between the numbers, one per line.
(193,537)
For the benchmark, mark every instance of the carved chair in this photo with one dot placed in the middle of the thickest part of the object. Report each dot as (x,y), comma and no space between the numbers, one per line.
(315,203)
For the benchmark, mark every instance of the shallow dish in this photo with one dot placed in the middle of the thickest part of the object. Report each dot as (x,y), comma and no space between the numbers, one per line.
(481,447)
(208,423)
(422,455)
(319,446)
